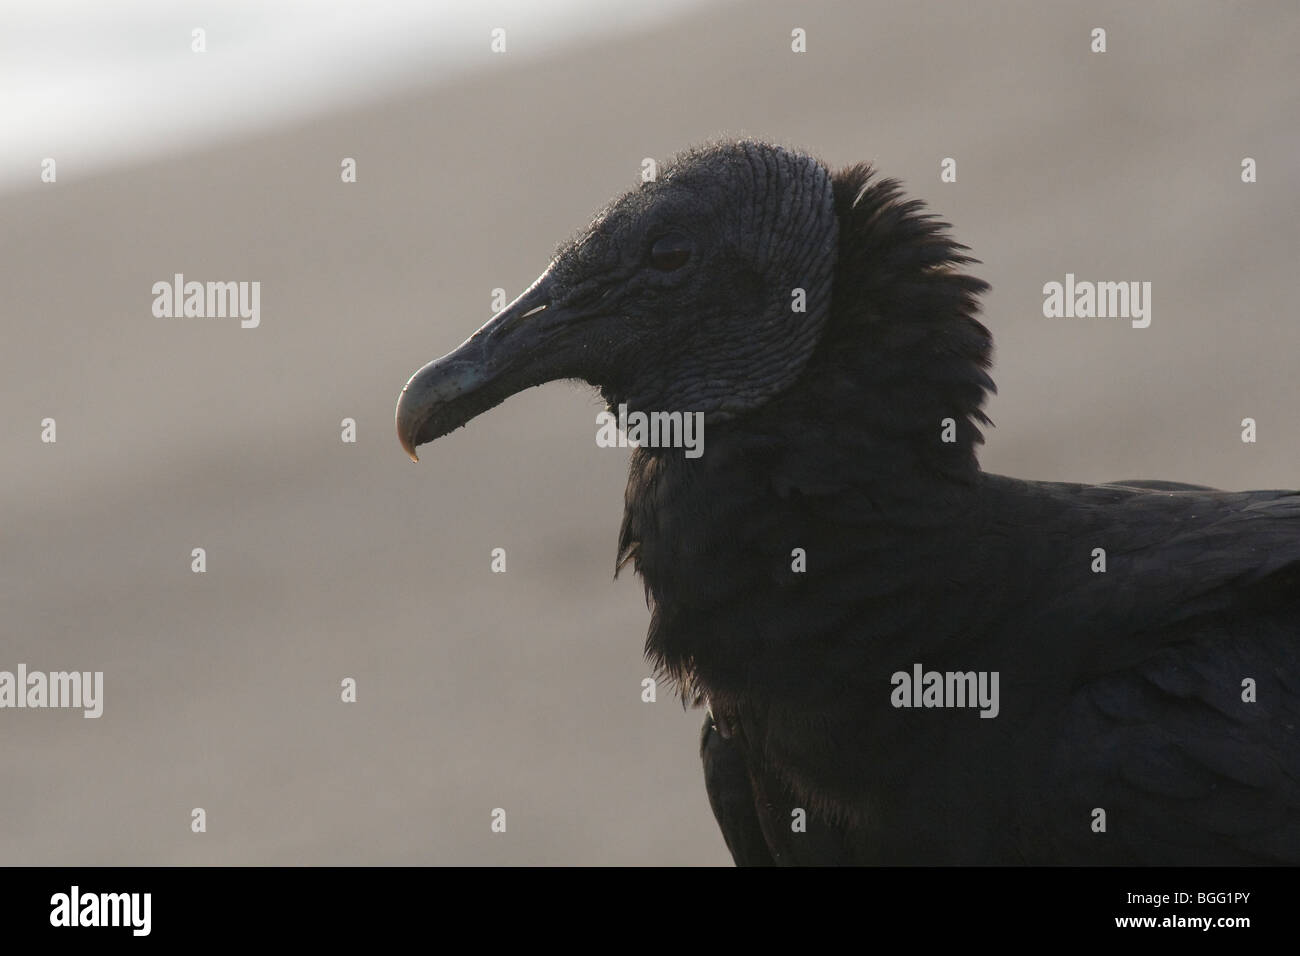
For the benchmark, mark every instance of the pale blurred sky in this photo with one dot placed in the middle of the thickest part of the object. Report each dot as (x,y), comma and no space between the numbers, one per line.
(96,83)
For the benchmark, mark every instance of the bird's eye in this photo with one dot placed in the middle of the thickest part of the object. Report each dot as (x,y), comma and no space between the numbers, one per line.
(670,252)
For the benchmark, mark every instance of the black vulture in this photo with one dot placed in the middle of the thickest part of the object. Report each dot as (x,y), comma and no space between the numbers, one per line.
(905,660)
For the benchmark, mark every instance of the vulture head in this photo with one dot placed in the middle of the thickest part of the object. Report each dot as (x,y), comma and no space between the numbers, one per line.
(705,290)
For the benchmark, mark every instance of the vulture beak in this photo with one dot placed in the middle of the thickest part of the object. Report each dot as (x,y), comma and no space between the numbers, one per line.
(521,346)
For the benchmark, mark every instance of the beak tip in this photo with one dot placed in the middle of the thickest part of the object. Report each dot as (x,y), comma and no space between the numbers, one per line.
(404,434)
(407,444)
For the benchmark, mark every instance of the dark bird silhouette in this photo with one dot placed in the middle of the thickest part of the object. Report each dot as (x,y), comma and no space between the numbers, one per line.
(906,660)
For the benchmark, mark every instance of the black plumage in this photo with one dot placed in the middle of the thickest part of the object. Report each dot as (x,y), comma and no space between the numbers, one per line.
(1125,691)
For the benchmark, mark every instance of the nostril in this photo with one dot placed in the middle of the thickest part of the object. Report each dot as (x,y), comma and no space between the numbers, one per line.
(533,310)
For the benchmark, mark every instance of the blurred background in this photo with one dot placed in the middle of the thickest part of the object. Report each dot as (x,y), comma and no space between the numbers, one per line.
(328,560)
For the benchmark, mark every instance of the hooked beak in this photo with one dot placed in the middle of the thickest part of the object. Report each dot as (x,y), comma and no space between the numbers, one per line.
(521,346)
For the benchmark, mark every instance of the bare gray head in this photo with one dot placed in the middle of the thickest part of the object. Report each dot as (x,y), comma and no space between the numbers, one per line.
(704,291)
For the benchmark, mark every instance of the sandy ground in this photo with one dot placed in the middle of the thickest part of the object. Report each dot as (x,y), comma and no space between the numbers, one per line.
(329,560)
